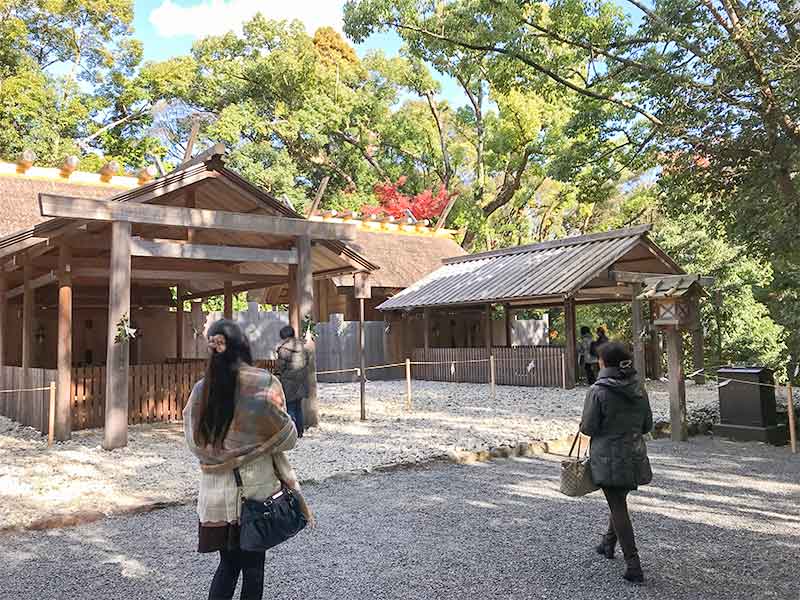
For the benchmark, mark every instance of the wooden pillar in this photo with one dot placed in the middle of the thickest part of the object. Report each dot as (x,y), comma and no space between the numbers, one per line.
(304,296)
(179,322)
(63,412)
(117,361)
(487,329)
(637,325)
(3,315)
(362,379)
(698,346)
(426,328)
(677,385)
(228,300)
(571,350)
(656,354)
(198,321)
(509,329)
(294,312)
(23,406)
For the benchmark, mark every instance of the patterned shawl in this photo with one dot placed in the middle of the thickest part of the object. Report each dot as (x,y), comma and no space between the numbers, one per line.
(258,427)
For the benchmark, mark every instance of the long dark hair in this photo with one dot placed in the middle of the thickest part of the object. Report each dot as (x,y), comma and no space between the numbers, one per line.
(218,400)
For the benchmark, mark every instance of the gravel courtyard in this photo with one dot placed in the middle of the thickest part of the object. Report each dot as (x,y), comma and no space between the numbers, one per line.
(720,522)
(79,477)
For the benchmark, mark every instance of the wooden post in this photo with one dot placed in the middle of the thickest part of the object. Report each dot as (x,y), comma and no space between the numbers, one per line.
(677,385)
(117,357)
(23,406)
(492,377)
(792,424)
(655,347)
(63,417)
(487,334)
(304,295)
(426,327)
(294,312)
(179,323)
(698,353)
(51,424)
(637,326)
(228,300)
(571,350)
(408,384)
(509,329)
(362,375)
(3,315)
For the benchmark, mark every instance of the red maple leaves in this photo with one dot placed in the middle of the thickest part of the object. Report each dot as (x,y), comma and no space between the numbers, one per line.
(394,203)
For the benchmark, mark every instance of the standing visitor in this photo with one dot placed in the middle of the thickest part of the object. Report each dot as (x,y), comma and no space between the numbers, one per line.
(588,358)
(293,372)
(235,421)
(616,414)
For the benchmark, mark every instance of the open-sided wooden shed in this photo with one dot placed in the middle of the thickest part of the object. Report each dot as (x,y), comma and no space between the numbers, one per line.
(201,230)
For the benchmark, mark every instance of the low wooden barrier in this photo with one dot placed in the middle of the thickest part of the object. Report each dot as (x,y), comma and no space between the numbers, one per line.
(539,366)
(26,399)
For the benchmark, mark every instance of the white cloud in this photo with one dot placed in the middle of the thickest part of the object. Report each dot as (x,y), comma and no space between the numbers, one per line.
(215,17)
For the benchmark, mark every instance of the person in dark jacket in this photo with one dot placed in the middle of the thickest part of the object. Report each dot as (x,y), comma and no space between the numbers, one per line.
(616,415)
(293,373)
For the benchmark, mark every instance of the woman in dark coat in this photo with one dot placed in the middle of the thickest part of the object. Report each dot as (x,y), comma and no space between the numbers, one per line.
(616,414)
(293,373)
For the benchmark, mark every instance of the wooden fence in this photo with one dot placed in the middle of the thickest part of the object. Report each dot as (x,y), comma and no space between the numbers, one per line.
(540,366)
(337,349)
(30,408)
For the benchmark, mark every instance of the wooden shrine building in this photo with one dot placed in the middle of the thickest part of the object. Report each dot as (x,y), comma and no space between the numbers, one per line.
(610,267)
(201,230)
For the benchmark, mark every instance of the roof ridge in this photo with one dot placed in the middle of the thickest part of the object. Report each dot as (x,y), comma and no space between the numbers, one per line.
(639,230)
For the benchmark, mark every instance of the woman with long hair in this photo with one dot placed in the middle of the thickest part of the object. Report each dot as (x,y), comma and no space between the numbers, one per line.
(616,415)
(236,419)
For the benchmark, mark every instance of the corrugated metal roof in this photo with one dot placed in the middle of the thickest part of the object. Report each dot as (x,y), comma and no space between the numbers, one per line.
(549,269)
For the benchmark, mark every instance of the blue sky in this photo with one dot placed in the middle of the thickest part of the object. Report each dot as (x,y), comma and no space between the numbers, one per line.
(168,27)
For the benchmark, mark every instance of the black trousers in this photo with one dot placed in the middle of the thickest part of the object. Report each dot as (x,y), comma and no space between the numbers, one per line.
(589,368)
(620,528)
(231,563)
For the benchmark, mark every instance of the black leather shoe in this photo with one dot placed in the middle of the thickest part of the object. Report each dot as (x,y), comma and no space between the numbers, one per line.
(633,570)
(606,547)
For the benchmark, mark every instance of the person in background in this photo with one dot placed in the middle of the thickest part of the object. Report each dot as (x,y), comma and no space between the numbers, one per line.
(235,418)
(587,357)
(293,372)
(616,414)
(602,338)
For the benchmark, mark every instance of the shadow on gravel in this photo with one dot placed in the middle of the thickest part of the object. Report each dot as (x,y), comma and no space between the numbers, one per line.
(497,530)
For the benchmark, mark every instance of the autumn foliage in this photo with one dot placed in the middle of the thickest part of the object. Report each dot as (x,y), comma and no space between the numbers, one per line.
(394,203)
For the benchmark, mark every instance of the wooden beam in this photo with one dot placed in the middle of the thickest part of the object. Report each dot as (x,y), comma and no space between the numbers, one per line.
(305,278)
(63,409)
(175,276)
(171,249)
(637,325)
(227,296)
(117,357)
(245,287)
(176,216)
(34,283)
(571,349)
(633,277)
(294,309)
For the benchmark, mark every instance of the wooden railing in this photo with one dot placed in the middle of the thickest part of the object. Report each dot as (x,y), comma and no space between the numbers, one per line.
(541,366)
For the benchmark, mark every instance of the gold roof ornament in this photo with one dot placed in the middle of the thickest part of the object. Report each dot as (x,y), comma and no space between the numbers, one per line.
(25,160)
(69,166)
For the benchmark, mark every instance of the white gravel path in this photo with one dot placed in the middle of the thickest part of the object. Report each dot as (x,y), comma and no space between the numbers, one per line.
(79,477)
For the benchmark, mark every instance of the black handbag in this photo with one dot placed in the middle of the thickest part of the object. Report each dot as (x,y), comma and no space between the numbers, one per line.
(265,524)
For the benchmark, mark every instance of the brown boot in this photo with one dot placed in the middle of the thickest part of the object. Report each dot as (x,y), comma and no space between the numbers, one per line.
(633,570)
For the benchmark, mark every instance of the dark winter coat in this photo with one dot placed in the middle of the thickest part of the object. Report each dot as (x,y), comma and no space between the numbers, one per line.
(616,414)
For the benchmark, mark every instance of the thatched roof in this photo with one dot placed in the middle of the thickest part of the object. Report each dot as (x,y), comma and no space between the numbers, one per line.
(19,198)
(402,258)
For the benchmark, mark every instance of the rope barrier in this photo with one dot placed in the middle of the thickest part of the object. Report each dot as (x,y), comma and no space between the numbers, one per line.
(40,389)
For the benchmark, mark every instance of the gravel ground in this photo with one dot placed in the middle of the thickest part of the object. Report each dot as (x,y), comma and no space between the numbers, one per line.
(720,522)
(79,477)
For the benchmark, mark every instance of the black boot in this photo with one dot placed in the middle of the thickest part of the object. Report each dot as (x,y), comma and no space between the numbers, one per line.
(606,546)
(633,570)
